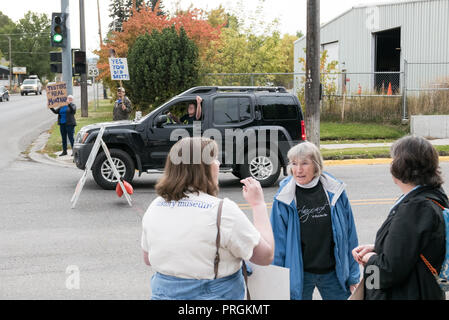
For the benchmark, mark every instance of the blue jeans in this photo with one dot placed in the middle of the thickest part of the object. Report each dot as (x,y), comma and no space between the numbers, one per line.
(67,131)
(327,284)
(165,287)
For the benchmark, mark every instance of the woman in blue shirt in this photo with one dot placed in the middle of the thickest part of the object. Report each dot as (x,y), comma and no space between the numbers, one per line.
(67,123)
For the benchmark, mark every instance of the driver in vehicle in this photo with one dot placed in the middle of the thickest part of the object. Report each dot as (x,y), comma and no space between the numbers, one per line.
(194,113)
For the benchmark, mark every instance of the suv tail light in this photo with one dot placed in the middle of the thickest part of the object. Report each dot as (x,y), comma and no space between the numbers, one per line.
(303,131)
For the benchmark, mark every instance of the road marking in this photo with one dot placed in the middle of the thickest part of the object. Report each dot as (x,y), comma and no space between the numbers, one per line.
(364,202)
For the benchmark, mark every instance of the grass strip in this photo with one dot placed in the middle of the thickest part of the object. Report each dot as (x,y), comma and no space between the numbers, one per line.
(102,114)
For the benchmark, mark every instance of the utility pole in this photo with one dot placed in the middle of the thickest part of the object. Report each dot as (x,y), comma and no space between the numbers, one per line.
(99,22)
(312,91)
(10,65)
(84,97)
(67,50)
(105,94)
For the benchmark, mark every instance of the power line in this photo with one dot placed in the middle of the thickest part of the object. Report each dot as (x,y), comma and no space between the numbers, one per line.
(23,34)
(18,52)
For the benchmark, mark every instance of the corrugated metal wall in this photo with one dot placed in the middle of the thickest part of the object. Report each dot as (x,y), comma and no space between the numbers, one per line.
(424,38)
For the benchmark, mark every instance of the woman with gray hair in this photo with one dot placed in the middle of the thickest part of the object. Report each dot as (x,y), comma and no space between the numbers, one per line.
(314,229)
(67,123)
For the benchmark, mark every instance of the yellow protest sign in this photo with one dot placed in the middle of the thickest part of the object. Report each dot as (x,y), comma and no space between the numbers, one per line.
(56,95)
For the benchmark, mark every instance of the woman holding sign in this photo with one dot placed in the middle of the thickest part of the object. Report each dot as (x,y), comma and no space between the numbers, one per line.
(67,123)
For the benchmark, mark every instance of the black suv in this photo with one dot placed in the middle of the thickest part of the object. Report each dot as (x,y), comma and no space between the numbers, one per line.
(256,125)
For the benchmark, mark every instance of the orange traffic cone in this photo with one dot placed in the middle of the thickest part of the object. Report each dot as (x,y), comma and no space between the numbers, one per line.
(359,92)
(390,91)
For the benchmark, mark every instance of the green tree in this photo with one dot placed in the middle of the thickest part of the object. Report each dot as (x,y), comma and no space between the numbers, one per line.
(6,27)
(161,65)
(248,44)
(31,44)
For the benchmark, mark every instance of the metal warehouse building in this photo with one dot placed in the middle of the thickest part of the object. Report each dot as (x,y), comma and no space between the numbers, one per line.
(406,41)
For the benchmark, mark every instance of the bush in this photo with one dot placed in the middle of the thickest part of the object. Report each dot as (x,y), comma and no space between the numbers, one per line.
(161,65)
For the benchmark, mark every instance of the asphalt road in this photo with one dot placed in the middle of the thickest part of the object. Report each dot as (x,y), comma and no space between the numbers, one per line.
(22,119)
(45,245)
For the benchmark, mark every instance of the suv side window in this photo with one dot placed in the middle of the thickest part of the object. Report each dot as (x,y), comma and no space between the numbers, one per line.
(278,108)
(231,110)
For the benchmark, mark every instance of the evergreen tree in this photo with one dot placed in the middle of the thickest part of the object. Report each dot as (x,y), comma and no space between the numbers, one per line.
(120,11)
(152,4)
(161,65)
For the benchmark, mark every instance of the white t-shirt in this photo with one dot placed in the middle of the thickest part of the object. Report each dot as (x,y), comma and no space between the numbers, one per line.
(180,237)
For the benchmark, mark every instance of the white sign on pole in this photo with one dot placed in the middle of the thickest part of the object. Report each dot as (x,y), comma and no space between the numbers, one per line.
(92,70)
(90,161)
(119,69)
(19,70)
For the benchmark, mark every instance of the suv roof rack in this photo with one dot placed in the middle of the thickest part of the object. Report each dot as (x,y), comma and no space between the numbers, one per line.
(211,90)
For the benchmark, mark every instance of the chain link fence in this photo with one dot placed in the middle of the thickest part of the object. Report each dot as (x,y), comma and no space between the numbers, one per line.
(426,89)
(421,88)
(346,96)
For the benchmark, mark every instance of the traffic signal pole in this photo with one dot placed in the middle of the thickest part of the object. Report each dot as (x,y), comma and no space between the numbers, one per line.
(84,97)
(67,50)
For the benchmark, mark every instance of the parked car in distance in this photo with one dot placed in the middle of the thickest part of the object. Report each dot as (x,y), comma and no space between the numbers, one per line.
(143,145)
(31,86)
(4,94)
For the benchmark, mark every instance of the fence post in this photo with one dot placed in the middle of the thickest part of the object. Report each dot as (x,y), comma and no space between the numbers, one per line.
(404,95)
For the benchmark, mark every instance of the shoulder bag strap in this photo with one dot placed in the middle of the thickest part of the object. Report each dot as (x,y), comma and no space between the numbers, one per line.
(245,275)
(217,253)
(218,240)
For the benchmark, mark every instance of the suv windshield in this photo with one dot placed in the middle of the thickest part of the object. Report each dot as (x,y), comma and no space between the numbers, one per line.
(28,81)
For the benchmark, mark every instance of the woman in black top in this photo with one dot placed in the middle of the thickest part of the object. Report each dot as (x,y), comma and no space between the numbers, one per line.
(394,269)
(67,123)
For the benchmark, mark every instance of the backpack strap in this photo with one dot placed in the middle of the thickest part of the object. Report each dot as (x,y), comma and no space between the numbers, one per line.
(437,203)
(428,264)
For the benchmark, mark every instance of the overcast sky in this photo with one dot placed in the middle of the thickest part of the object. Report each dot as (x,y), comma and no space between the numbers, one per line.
(290,13)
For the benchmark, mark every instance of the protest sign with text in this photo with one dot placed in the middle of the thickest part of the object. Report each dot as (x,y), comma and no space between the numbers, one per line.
(56,95)
(119,69)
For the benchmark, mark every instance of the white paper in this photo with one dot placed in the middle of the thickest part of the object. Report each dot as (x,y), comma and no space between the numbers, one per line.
(269,283)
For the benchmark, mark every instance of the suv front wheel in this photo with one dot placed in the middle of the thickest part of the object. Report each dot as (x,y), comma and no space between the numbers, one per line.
(103,173)
(263,166)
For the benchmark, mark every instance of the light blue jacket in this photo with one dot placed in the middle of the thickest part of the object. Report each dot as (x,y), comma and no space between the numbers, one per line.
(287,236)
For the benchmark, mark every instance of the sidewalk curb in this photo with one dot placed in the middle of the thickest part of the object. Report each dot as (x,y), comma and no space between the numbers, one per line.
(375,161)
(39,144)
(35,153)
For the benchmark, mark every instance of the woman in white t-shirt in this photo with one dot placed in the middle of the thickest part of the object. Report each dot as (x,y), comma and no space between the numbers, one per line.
(180,229)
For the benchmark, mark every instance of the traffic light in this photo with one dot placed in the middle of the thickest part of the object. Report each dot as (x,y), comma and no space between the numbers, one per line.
(58,29)
(80,63)
(56,62)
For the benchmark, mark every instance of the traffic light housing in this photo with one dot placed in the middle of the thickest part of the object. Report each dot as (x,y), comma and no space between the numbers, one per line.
(58,29)
(56,62)
(80,63)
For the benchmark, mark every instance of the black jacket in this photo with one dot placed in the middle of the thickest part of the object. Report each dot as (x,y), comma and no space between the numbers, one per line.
(70,115)
(414,227)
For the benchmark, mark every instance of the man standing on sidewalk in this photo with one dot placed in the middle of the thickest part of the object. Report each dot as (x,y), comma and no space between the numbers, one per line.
(122,107)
